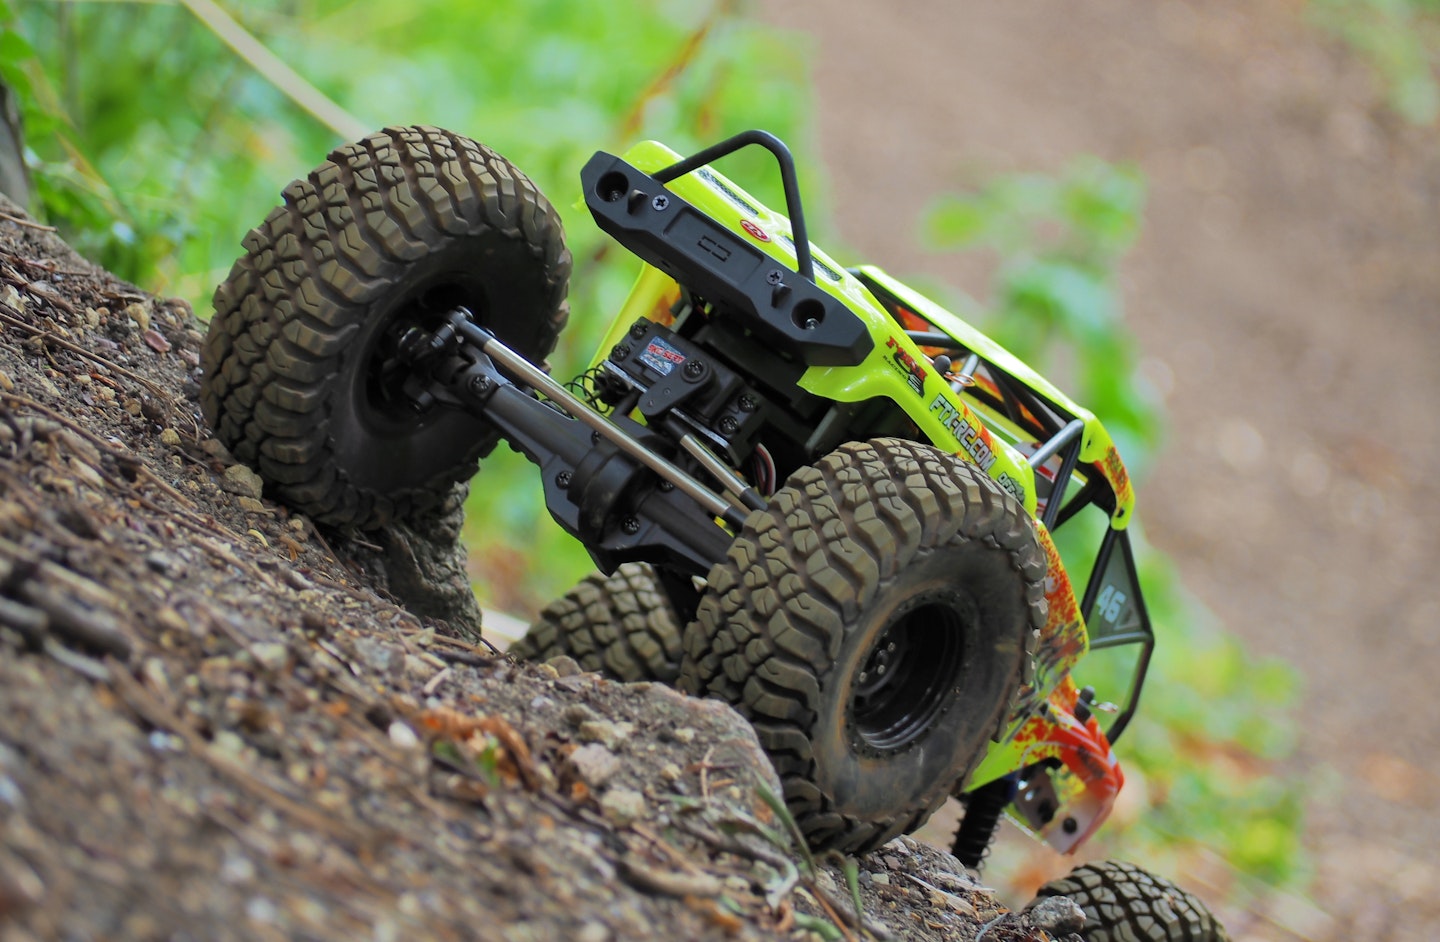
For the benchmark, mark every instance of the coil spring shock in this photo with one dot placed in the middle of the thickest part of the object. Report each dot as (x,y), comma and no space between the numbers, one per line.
(585,388)
(982,816)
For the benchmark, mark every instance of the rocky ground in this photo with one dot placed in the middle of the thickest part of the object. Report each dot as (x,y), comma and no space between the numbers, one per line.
(217,722)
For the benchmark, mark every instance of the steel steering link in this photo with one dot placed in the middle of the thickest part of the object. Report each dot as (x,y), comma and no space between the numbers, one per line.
(533,376)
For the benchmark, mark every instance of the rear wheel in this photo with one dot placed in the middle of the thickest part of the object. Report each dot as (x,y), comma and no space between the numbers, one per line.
(872,623)
(1125,903)
(390,232)
(622,625)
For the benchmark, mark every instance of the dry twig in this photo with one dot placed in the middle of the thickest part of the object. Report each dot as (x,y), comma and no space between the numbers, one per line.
(27,223)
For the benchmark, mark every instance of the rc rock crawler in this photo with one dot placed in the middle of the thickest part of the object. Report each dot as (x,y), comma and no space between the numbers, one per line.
(809,491)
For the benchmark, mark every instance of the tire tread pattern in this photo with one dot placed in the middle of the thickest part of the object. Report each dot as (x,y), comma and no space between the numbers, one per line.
(772,622)
(310,270)
(1125,903)
(621,625)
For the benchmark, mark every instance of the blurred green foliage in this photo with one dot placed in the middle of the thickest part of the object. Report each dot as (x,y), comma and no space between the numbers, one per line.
(1401,40)
(1212,717)
(154,146)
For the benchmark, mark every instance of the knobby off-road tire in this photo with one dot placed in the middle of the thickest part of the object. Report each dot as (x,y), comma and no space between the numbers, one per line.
(1124,903)
(873,624)
(397,228)
(621,625)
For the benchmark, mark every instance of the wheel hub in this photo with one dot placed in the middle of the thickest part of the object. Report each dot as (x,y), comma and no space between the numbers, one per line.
(908,677)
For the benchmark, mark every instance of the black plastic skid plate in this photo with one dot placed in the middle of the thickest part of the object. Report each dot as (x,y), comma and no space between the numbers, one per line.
(779,305)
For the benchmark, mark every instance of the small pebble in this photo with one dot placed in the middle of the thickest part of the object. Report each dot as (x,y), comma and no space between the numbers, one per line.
(593,932)
(137,313)
(622,805)
(606,732)
(261,909)
(219,452)
(684,735)
(237,868)
(229,742)
(1057,915)
(86,473)
(239,479)
(10,793)
(402,735)
(270,654)
(564,666)
(170,437)
(578,714)
(593,764)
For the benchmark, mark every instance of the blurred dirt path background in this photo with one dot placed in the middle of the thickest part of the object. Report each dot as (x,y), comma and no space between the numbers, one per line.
(1286,292)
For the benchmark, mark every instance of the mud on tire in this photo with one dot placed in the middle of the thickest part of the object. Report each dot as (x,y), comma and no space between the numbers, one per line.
(403,225)
(621,625)
(884,601)
(1125,903)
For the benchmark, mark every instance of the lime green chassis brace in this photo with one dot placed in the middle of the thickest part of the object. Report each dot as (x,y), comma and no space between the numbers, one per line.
(1043,725)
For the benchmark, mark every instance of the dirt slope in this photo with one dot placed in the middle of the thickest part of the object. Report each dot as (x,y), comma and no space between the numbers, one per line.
(216,722)
(1286,290)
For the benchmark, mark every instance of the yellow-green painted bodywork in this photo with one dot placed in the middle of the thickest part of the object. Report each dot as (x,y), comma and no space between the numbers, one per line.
(897,369)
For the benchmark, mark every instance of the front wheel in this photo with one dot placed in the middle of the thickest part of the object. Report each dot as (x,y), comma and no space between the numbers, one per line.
(299,363)
(1125,903)
(872,624)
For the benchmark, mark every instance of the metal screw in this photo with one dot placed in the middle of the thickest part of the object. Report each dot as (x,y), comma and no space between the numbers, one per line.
(661,202)
(619,352)
(667,486)
(562,479)
(631,526)
(637,330)
(728,425)
(694,368)
(480,385)
(747,403)
(890,647)
(774,276)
